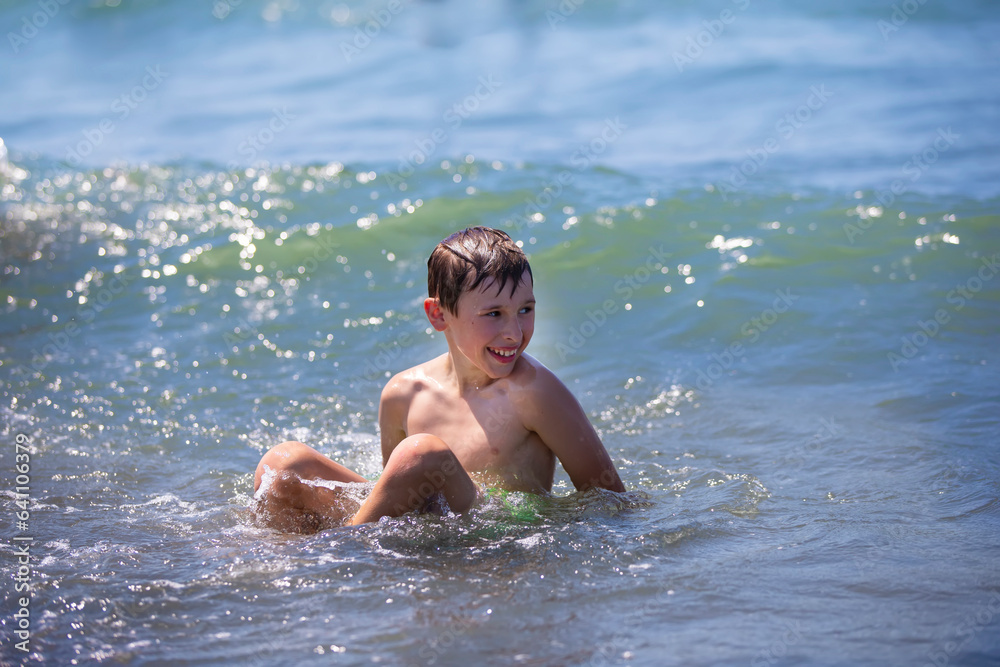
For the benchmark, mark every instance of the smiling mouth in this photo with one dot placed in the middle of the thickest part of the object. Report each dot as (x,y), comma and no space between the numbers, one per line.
(503,355)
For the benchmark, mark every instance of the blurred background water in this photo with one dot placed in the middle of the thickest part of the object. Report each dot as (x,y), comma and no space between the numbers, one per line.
(764,236)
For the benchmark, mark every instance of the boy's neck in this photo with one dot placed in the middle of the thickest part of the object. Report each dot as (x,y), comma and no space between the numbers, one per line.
(464,374)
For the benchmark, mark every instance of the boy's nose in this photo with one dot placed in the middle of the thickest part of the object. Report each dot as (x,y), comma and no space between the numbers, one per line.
(513,330)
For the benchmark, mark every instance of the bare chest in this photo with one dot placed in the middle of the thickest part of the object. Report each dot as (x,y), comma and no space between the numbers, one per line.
(488,438)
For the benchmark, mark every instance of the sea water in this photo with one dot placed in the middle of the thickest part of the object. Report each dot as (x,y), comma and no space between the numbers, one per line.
(765,243)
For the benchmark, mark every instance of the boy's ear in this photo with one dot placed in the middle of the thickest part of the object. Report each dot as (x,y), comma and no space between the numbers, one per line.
(435,313)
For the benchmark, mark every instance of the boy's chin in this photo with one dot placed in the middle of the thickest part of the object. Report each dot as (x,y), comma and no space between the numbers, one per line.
(496,371)
(503,365)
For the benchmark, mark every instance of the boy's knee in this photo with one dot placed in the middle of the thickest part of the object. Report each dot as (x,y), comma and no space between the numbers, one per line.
(425,454)
(424,444)
(288,456)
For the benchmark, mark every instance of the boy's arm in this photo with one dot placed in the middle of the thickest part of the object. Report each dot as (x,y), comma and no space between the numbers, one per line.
(559,420)
(392,416)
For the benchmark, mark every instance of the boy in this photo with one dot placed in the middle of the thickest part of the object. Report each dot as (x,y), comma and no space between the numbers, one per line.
(482,414)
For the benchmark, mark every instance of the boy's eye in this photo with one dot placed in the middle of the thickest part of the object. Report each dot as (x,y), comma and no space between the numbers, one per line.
(526,310)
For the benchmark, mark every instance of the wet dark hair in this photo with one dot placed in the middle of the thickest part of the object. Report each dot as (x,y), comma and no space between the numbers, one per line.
(464,260)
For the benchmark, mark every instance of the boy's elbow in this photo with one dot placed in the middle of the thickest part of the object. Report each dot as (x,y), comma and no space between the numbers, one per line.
(608,479)
(615,486)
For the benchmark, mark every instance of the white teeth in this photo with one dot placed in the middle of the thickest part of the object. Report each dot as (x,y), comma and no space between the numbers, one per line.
(505,353)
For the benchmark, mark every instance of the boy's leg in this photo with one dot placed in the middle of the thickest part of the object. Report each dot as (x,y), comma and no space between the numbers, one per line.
(305,462)
(420,467)
(289,502)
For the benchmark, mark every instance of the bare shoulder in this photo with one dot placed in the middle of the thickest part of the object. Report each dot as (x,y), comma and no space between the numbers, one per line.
(537,391)
(397,396)
(403,386)
(532,375)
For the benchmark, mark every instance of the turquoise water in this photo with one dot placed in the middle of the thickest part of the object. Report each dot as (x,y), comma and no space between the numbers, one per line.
(765,243)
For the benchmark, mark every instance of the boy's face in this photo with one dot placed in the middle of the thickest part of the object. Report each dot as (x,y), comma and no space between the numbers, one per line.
(492,329)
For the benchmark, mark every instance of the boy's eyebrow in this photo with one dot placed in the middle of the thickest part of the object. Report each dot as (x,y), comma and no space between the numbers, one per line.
(529,302)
